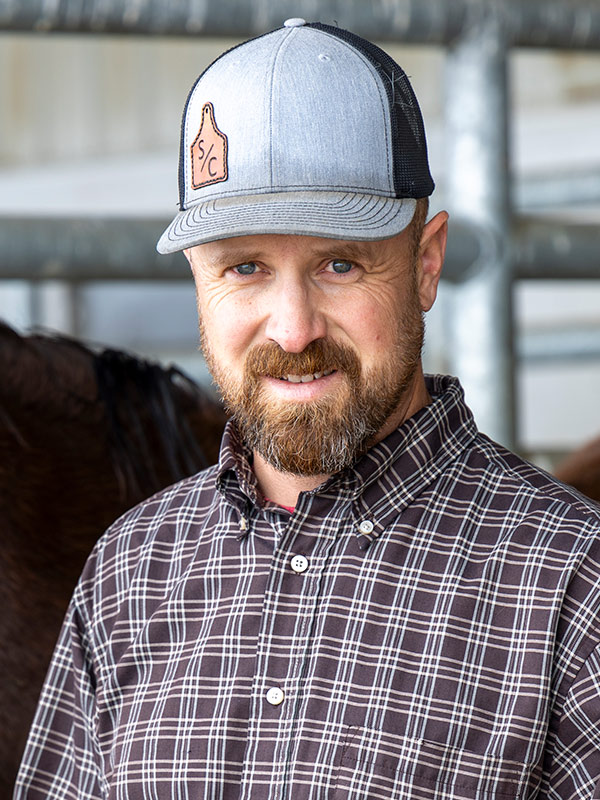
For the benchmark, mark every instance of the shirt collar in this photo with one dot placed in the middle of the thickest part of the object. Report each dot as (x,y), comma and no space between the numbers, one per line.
(235,476)
(390,475)
(397,469)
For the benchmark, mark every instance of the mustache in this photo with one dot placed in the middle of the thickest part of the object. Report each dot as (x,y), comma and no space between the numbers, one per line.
(320,355)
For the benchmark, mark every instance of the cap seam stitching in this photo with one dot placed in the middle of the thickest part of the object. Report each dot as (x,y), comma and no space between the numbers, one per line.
(346,189)
(382,221)
(276,56)
(383,99)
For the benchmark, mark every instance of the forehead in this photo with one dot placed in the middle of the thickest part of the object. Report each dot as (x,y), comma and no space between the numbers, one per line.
(265,246)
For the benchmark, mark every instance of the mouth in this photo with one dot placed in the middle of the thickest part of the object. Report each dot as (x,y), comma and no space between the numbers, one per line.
(314,376)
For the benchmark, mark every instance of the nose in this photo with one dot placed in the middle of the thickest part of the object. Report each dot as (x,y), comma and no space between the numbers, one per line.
(294,318)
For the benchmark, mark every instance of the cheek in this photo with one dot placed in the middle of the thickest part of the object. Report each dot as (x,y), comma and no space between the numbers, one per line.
(226,324)
(372,323)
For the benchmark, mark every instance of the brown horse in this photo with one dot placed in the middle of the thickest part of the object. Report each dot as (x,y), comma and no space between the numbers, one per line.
(84,435)
(582,469)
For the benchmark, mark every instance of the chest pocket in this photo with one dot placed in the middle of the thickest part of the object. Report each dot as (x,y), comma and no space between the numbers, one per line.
(377,765)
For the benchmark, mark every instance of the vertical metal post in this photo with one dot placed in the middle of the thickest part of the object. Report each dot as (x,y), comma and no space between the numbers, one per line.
(54,304)
(477,189)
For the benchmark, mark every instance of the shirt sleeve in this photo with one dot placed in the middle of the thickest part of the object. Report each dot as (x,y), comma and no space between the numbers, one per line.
(61,757)
(575,771)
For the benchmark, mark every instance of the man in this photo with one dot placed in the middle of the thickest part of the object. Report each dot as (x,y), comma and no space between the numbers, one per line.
(366,598)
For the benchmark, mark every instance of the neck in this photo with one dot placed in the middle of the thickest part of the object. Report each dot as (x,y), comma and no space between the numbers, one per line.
(415,398)
(283,487)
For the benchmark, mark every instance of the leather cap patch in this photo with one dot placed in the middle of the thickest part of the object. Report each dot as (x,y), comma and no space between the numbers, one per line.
(209,151)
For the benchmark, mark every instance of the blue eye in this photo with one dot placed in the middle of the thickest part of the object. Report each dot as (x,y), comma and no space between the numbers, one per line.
(340,267)
(246,269)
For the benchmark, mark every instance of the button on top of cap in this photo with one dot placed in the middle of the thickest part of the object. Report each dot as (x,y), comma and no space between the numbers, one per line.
(294,22)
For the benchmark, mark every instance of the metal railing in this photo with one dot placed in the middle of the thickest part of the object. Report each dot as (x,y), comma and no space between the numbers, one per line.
(570,24)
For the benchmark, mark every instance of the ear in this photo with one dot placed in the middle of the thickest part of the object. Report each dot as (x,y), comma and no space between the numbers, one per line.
(432,250)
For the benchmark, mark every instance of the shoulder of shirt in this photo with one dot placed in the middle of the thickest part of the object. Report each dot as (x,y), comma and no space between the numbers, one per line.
(195,490)
(557,521)
(524,478)
(173,508)
(152,543)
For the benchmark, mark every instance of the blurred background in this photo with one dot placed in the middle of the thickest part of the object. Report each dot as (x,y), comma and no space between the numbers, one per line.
(89,130)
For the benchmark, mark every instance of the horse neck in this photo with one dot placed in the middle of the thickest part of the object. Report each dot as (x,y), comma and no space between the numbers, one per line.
(42,372)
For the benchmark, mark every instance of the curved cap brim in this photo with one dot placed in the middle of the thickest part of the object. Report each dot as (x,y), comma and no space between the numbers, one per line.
(332,215)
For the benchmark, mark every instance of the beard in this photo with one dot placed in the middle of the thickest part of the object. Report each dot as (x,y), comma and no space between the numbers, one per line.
(323,436)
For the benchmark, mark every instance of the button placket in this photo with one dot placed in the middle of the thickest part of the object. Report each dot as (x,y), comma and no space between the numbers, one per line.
(290,604)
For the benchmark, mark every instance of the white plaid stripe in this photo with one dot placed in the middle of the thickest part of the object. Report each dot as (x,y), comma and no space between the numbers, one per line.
(451,652)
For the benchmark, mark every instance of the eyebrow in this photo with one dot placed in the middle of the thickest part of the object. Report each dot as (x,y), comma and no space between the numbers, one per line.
(350,249)
(339,248)
(228,258)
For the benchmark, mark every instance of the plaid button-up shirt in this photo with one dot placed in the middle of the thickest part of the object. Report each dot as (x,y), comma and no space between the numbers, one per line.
(424,625)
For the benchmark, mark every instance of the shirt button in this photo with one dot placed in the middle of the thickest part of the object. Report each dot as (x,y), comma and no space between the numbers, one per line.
(366,526)
(275,696)
(299,564)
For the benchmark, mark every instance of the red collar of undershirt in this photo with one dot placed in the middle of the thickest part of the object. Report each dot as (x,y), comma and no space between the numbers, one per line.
(287,508)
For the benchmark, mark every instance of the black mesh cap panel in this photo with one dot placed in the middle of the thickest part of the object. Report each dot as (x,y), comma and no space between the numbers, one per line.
(409,147)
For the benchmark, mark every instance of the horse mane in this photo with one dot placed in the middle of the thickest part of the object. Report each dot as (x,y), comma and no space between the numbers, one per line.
(125,385)
(146,406)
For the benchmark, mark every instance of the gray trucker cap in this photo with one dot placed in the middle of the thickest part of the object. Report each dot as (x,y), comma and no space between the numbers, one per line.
(308,129)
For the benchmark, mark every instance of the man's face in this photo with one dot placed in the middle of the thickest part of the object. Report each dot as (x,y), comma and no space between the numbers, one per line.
(314,343)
